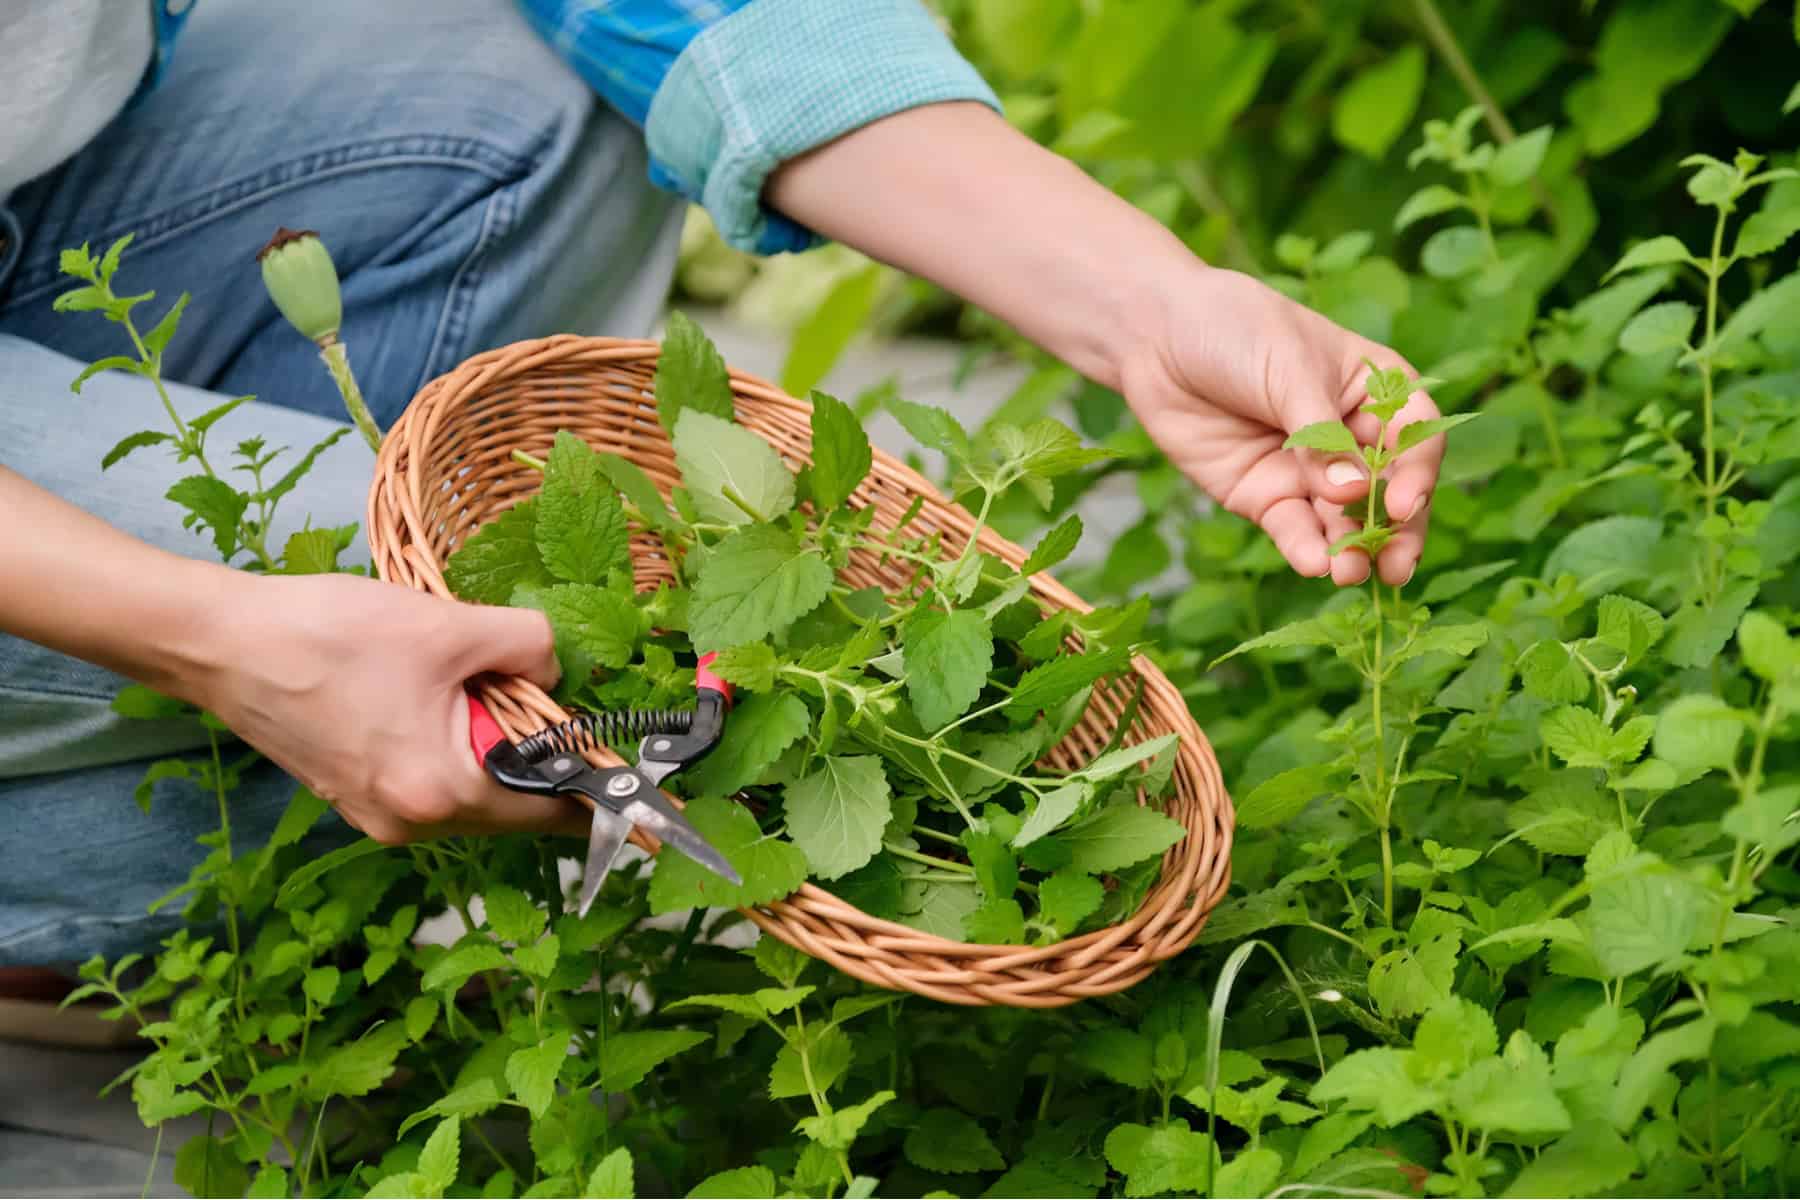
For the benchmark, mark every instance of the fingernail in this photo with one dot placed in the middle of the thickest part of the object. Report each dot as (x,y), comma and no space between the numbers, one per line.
(1417,508)
(1410,574)
(1342,473)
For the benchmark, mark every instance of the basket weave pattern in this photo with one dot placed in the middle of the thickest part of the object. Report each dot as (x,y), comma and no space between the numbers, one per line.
(445,468)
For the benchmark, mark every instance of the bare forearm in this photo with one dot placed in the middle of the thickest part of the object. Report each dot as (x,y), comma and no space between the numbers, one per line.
(954,194)
(74,583)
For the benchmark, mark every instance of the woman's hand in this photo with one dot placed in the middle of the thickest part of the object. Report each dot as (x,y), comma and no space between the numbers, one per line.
(1219,368)
(1227,369)
(355,687)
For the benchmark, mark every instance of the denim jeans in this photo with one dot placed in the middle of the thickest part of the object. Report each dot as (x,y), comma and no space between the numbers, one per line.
(472,191)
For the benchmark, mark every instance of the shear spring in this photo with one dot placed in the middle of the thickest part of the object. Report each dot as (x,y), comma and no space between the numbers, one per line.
(591,730)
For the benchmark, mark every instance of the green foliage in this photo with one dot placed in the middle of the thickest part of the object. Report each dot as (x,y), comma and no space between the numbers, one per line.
(1523,832)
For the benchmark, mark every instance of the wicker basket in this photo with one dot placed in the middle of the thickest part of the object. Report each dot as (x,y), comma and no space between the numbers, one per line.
(446,467)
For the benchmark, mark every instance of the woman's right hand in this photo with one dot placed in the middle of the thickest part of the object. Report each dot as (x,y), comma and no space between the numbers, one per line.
(355,687)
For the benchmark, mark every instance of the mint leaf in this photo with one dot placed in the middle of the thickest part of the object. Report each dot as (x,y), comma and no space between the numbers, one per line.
(1056,545)
(1659,329)
(612,1179)
(531,1072)
(1640,921)
(1697,633)
(593,625)
(1284,796)
(1376,1081)
(1068,898)
(629,478)
(580,526)
(948,657)
(311,552)
(829,1051)
(1116,762)
(932,427)
(1551,673)
(1428,201)
(953,1142)
(498,557)
(771,868)
(839,1129)
(1054,683)
(1699,732)
(359,1067)
(439,1161)
(750,666)
(1454,252)
(837,813)
(1452,1035)
(995,923)
(1052,809)
(1419,431)
(1511,1093)
(632,1056)
(1374,108)
(511,914)
(938,908)
(760,728)
(754,584)
(690,374)
(1766,819)
(1118,836)
(1767,231)
(136,441)
(454,969)
(1411,980)
(743,1183)
(996,870)
(1767,648)
(1656,252)
(1332,437)
(1577,736)
(840,448)
(714,455)
(1628,626)
(1518,160)
(214,505)
(1452,584)
(1588,1160)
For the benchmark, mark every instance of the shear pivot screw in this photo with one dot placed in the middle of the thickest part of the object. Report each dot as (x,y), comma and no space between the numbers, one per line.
(660,744)
(621,785)
(561,764)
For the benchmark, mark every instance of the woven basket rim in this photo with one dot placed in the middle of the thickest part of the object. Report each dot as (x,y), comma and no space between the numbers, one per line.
(403,524)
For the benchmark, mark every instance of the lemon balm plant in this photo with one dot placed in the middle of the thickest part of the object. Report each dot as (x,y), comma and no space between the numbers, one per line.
(1515,880)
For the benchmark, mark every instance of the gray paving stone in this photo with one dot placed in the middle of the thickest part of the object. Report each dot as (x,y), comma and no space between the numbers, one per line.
(45,1165)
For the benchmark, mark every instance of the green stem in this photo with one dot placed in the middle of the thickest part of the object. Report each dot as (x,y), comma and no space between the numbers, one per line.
(527,460)
(231,924)
(337,361)
(1714,269)
(926,860)
(1443,40)
(1387,872)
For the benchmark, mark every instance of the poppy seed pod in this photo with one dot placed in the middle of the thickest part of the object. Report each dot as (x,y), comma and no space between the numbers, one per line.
(303,282)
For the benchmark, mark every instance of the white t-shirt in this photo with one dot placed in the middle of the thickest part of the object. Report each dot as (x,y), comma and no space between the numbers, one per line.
(66,68)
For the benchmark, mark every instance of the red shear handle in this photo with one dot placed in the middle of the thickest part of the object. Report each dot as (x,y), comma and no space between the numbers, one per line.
(704,677)
(484,732)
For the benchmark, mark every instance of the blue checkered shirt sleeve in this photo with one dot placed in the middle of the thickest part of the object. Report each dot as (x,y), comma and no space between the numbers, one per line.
(726,90)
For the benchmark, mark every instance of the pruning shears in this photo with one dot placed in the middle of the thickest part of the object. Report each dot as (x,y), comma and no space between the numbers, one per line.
(550,762)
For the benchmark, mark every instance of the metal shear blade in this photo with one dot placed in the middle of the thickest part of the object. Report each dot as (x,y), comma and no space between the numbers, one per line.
(624,797)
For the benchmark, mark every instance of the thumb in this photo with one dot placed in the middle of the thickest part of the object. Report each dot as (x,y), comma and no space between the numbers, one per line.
(505,641)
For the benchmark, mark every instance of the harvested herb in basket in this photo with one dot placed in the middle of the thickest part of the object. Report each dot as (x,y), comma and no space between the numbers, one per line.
(885,745)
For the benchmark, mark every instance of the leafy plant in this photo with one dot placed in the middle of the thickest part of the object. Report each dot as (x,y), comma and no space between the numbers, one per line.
(889,736)
(1521,837)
